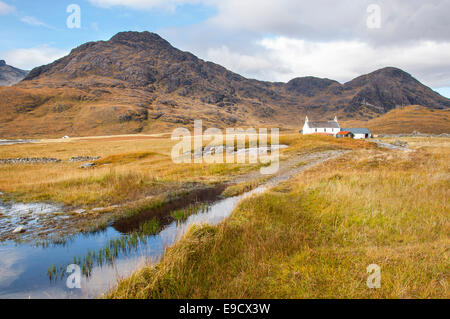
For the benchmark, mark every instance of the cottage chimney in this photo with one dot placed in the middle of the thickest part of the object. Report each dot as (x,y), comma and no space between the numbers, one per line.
(335,119)
(307,120)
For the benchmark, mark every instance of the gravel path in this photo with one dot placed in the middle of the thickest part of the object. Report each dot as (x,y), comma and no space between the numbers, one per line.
(291,166)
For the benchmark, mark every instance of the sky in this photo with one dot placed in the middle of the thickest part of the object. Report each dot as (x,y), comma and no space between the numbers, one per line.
(272,40)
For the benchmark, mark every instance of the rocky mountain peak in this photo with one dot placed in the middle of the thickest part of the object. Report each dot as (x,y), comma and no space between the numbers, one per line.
(393,74)
(2,62)
(133,37)
(309,85)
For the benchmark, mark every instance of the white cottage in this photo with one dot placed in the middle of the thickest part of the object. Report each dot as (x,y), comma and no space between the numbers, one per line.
(321,127)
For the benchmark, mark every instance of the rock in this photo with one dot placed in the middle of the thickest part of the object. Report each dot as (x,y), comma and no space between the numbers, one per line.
(88,165)
(79,211)
(19,230)
(400,143)
(156,116)
(83,159)
(39,160)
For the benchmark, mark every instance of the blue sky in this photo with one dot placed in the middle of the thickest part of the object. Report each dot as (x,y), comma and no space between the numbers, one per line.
(48,23)
(273,40)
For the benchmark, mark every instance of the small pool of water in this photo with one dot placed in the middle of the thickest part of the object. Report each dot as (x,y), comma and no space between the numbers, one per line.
(24,267)
(12,142)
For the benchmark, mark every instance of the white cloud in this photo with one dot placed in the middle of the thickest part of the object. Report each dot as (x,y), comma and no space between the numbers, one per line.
(33,21)
(255,66)
(32,57)
(402,21)
(319,19)
(6,8)
(282,59)
(11,267)
(429,61)
(146,4)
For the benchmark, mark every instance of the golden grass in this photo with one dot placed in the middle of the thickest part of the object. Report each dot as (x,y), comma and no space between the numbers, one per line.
(128,169)
(235,190)
(314,236)
(407,120)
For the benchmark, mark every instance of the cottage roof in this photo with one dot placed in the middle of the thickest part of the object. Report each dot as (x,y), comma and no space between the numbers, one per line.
(358,130)
(323,124)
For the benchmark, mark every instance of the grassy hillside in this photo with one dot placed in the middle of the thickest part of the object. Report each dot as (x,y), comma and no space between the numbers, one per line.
(131,168)
(136,82)
(314,236)
(407,120)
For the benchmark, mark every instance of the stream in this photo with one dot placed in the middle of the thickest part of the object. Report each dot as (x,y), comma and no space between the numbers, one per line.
(12,142)
(24,268)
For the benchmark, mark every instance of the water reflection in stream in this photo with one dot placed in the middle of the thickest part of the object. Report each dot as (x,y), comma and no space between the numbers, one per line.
(24,268)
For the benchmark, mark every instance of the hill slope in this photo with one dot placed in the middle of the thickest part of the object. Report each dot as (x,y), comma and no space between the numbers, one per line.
(407,120)
(138,82)
(10,75)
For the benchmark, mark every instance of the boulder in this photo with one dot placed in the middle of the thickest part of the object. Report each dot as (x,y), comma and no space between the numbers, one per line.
(87,165)
(400,143)
(83,159)
(19,230)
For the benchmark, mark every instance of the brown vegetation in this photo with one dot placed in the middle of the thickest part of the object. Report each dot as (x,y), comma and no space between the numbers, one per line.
(314,236)
(407,120)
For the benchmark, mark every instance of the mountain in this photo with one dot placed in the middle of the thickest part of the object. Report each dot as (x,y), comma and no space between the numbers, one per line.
(137,82)
(10,75)
(389,88)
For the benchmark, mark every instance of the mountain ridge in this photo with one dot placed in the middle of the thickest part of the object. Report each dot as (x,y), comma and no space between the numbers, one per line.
(138,82)
(10,75)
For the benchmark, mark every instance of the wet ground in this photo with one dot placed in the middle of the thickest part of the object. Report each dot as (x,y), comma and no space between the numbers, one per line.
(32,271)
(38,217)
(12,142)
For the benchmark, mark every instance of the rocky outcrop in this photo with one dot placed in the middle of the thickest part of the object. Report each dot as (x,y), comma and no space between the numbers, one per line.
(87,165)
(19,230)
(83,159)
(310,86)
(42,160)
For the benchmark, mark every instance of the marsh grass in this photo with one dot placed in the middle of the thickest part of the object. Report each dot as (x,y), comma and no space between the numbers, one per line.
(315,235)
(128,170)
(244,187)
(184,213)
(123,245)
